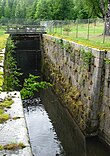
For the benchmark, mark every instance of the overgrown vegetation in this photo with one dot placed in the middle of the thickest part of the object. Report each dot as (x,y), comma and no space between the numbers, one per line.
(86,57)
(11,72)
(31,85)
(107,61)
(3,38)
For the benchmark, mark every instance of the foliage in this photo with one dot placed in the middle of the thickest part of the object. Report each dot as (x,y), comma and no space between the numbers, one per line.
(4,117)
(3,38)
(107,61)
(31,85)
(42,9)
(86,57)
(52,9)
(15,8)
(67,30)
(96,8)
(3,105)
(6,103)
(11,73)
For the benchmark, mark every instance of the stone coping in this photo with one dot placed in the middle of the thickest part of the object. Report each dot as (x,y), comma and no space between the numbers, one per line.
(14,130)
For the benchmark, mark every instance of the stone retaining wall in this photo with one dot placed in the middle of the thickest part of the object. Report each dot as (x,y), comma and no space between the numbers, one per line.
(13,131)
(81,77)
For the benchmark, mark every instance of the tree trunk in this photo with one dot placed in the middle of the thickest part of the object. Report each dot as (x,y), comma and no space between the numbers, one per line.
(107,20)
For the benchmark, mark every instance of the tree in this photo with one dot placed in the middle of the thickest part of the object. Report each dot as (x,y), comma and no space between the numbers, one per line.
(32,9)
(101,9)
(64,9)
(80,11)
(7,9)
(0,9)
(59,9)
(43,10)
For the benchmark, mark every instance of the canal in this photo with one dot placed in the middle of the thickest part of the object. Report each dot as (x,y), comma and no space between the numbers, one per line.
(53,132)
(51,129)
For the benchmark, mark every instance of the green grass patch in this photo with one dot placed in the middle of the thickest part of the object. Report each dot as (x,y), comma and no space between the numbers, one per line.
(95,39)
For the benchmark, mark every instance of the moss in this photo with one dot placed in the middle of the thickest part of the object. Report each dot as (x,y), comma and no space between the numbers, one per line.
(6,103)
(68,94)
(1,111)
(1,89)
(4,117)
(1,82)
(1,147)
(107,61)
(1,58)
(15,118)
(1,73)
(12,146)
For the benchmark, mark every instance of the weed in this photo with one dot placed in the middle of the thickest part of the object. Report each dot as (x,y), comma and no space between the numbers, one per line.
(12,146)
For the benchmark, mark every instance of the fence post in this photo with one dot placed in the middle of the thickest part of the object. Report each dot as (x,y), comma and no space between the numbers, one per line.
(61,26)
(77,29)
(88,29)
(105,20)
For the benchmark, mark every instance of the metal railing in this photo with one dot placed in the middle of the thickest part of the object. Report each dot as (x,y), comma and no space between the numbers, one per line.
(26,29)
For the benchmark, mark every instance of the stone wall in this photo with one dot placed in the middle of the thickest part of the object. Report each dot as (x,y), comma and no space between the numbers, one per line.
(104,128)
(81,78)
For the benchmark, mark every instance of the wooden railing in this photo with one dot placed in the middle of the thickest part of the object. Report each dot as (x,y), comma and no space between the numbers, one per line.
(26,29)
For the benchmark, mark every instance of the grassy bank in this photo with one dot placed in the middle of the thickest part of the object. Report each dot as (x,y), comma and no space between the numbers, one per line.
(89,35)
(3,38)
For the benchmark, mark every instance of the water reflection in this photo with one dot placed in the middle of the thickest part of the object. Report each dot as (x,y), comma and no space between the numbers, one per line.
(43,137)
(54,133)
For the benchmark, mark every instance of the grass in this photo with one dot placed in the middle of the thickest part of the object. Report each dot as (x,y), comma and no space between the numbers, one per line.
(95,39)
(12,146)
(3,38)
(5,104)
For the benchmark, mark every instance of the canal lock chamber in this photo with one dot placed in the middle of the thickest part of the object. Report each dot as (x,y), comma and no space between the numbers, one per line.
(52,130)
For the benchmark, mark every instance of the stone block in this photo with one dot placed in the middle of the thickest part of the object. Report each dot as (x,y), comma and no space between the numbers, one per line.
(98,53)
(97,73)
(108,55)
(98,63)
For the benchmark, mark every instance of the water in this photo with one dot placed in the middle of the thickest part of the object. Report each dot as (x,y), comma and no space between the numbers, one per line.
(51,129)
(53,132)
